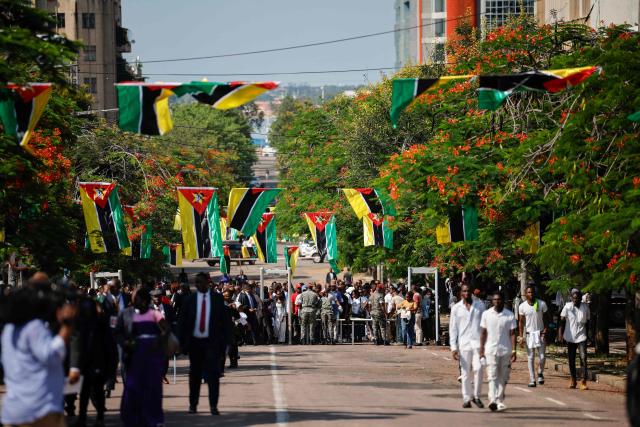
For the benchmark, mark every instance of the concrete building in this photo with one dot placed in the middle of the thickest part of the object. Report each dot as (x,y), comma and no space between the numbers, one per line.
(595,13)
(98,25)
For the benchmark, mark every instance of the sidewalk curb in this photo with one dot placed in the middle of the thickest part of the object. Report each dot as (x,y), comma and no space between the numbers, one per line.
(616,381)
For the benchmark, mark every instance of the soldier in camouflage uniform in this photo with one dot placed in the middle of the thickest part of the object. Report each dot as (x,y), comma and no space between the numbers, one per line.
(377,311)
(309,304)
(327,315)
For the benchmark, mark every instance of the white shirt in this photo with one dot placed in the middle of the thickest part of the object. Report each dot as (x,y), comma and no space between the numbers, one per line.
(464,325)
(575,329)
(388,300)
(196,329)
(534,321)
(499,327)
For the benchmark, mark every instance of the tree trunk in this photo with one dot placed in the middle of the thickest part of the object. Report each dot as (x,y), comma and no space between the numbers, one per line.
(632,322)
(602,323)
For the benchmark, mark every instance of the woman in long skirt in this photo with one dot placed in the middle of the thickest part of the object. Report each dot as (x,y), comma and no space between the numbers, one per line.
(280,319)
(142,398)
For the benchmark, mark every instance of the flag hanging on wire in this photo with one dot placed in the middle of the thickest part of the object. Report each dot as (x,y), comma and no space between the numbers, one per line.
(377,231)
(495,89)
(322,226)
(225,259)
(265,239)
(246,206)
(404,91)
(21,108)
(369,200)
(104,217)
(291,254)
(462,224)
(200,221)
(144,107)
(173,254)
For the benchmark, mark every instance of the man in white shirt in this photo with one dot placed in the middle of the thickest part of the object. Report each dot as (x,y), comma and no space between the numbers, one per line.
(533,328)
(464,334)
(573,329)
(498,348)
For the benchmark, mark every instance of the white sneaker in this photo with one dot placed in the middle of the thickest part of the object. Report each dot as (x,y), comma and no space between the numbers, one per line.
(501,407)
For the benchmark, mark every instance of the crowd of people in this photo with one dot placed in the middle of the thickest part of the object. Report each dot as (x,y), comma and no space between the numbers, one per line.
(56,335)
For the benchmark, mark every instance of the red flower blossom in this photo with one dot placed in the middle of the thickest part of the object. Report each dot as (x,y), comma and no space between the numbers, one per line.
(575,258)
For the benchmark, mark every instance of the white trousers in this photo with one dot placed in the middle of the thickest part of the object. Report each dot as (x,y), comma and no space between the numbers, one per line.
(531,362)
(418,327)
(470,364)
(498,368)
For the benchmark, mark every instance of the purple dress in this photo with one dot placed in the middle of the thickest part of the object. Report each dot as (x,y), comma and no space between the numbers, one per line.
(142,398)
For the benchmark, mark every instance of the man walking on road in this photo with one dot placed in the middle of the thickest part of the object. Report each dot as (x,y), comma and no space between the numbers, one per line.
(573,330)
(498,348)
(533,328)
(205,333)
(464,334)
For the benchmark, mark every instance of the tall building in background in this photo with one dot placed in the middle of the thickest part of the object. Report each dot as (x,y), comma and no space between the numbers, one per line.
(98,25)
(595,13)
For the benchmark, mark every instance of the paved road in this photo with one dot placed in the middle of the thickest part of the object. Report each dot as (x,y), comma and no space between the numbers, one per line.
(368,385)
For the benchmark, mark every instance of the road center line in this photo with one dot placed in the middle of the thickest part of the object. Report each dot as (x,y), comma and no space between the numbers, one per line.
(434,353)
(524,390)
(593,417)
(557,402)
(280,403)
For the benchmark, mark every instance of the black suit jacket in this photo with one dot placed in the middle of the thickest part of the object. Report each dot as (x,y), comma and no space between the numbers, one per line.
(219,323)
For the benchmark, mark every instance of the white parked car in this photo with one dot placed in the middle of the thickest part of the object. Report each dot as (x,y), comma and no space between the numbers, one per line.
(308,250)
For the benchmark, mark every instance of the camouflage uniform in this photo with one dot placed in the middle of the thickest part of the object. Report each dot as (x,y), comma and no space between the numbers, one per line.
(309,305)
(379,322)
(328,318)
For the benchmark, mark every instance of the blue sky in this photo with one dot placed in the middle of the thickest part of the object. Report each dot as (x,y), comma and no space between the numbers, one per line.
(174,29)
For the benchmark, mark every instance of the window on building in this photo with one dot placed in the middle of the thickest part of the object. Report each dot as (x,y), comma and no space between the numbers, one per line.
(59,20)
(88,20)
(499,11)
(439,27)
(438,6)
(438,53)
(92,84)
(407,4)
(89,53)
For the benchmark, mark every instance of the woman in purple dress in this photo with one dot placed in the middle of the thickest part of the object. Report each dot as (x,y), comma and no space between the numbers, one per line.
(144,360)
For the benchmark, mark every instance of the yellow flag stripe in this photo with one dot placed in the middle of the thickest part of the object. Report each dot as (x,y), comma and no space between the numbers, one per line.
(239,97)
(367,230)
(163,113)
(39,103)
(235,197)
(178,255)
(188,227)
(357,202)
(312,228)
(443,235)
(564,72)
(93,224)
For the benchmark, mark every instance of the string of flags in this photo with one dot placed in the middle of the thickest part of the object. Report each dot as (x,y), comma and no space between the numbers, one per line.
(322,226)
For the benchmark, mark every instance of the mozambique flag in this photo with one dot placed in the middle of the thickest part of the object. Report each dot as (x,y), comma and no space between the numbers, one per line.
(144,107)
(377,231)
(200,222)
(494,89)
(462,224)
(21,108)
(246,206)
(406,90)
(291,258)
(173,254)
(104,217)
(224,266)
(224,96)
(141,244)
(322,226)
(369,200)
(265,238)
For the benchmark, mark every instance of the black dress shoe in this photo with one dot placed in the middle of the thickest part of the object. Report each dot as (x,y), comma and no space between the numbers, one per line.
(478,402)
(493,406)
(466,404)
(215,412)
(192,409)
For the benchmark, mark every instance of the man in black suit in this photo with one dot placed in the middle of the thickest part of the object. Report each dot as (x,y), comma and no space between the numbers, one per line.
(248,299)
(204,333)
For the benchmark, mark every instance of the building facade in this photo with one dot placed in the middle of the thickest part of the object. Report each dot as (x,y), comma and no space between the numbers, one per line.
(98,25)
(595,13)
